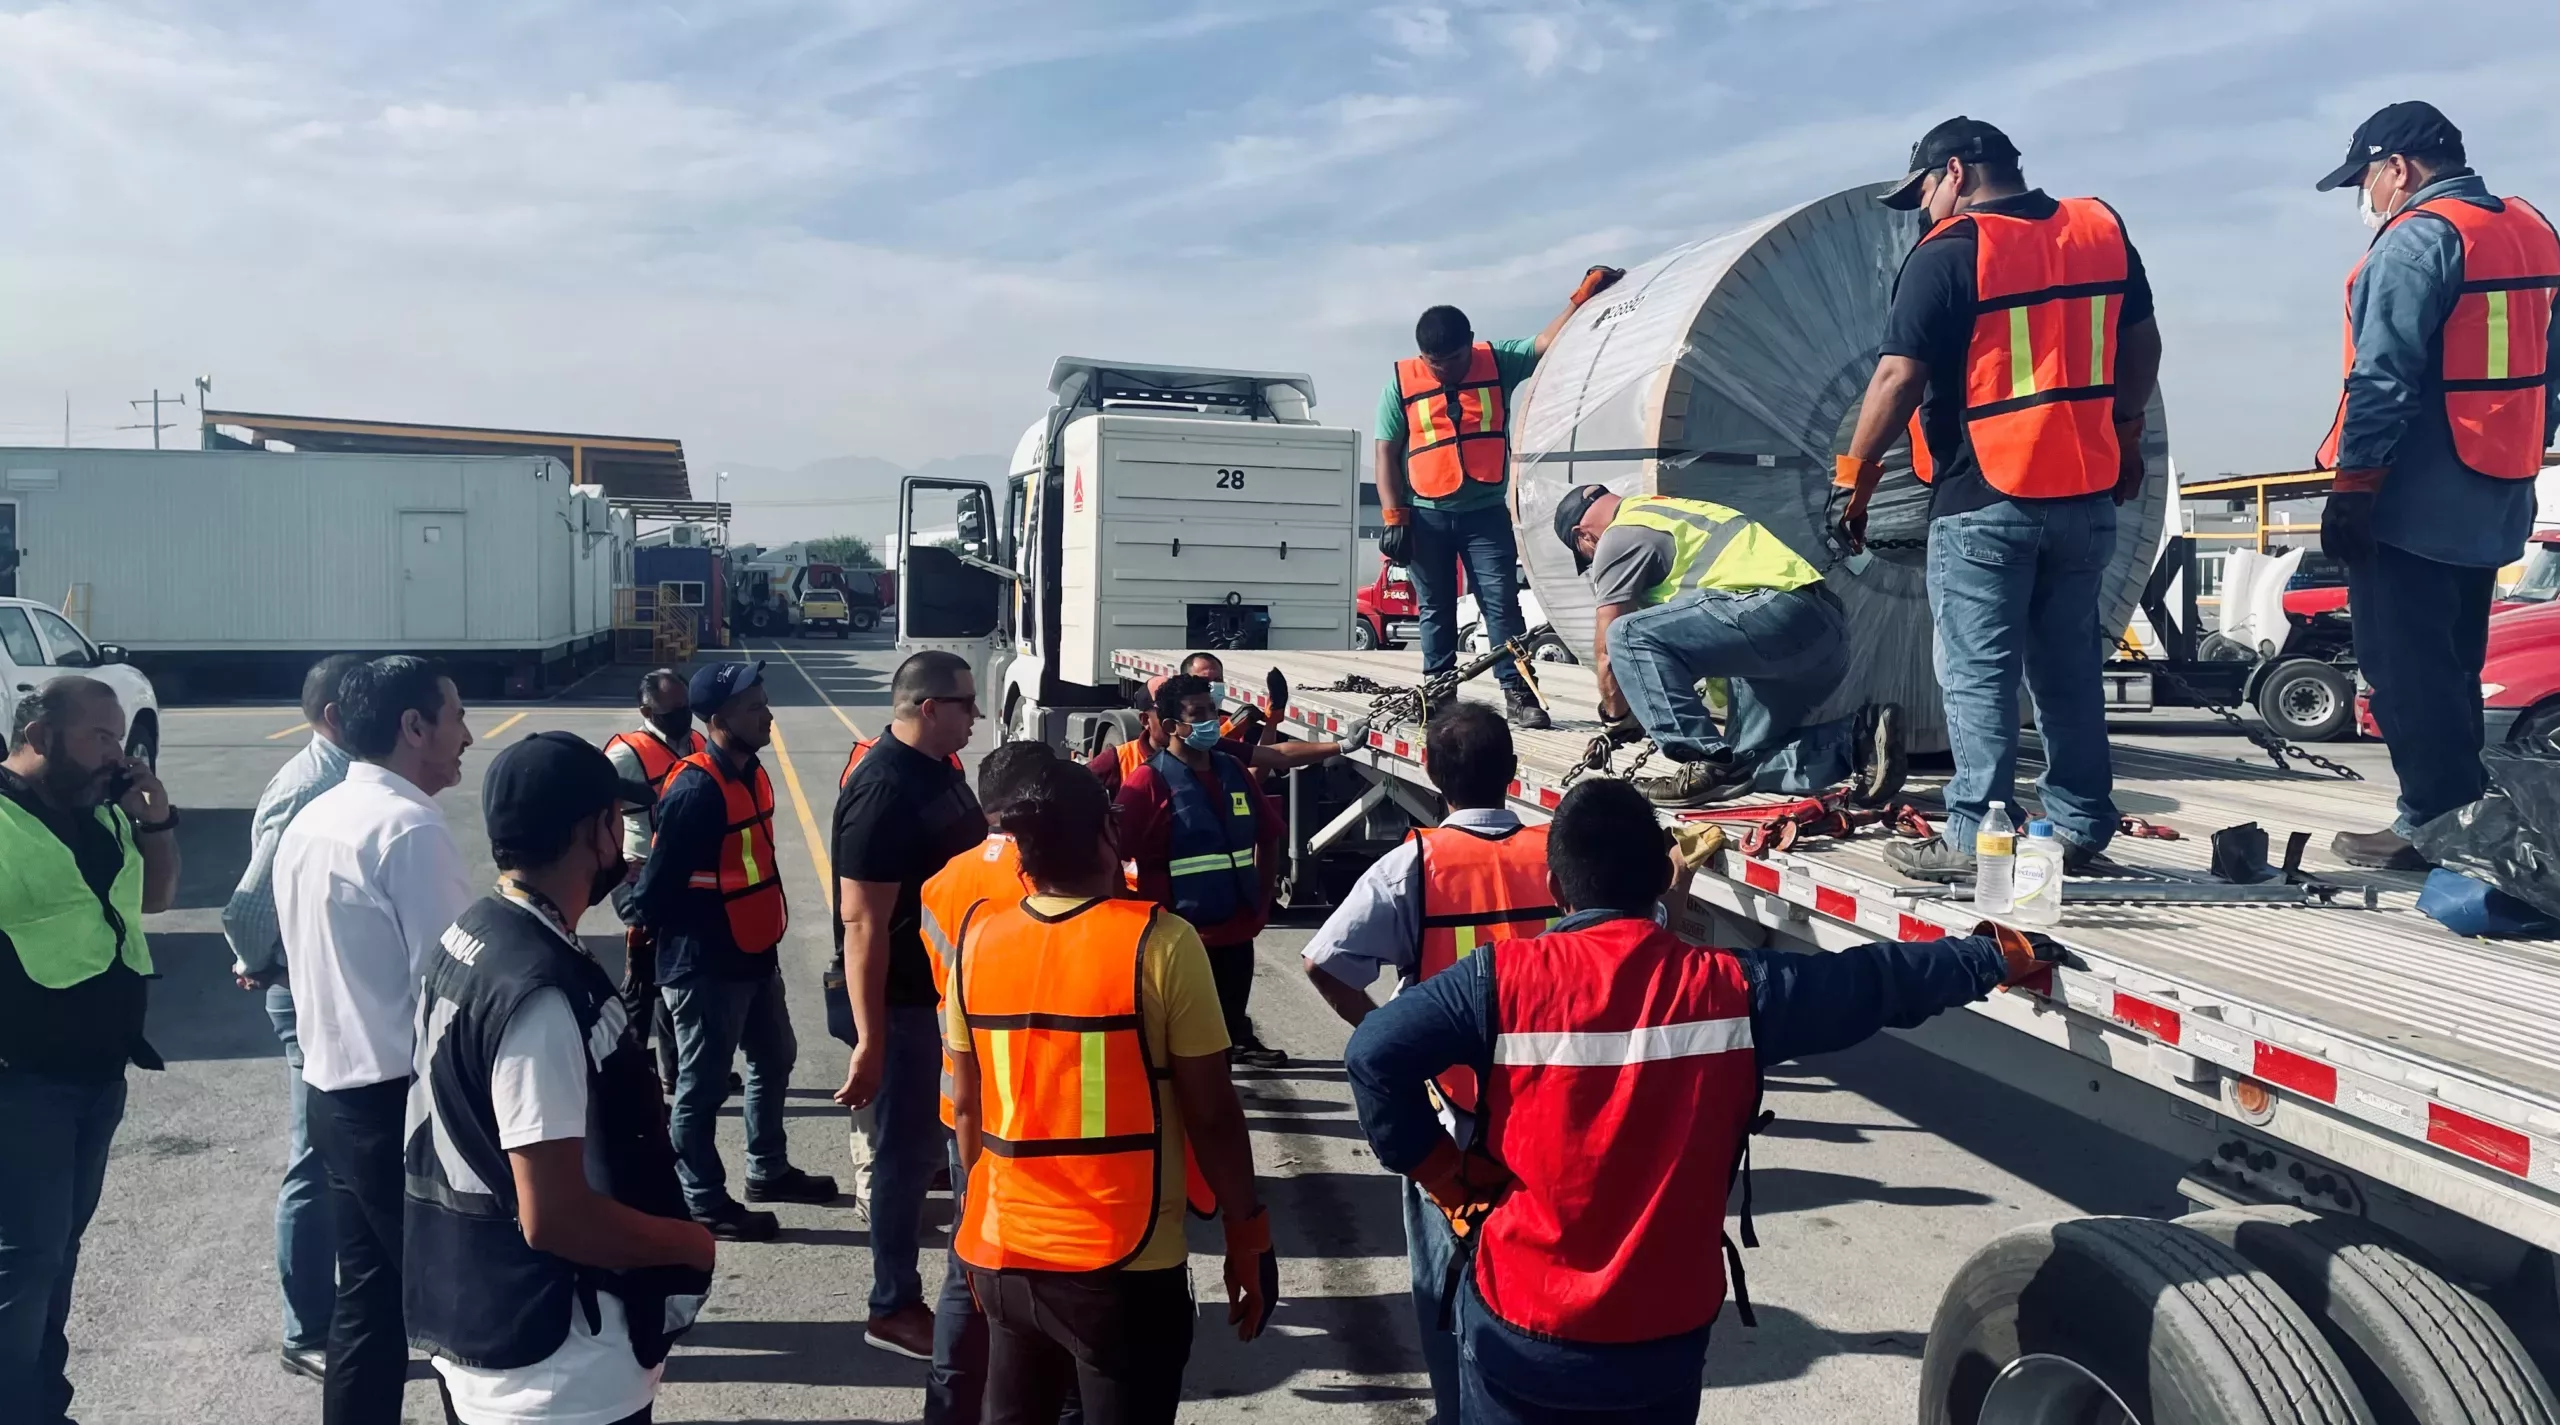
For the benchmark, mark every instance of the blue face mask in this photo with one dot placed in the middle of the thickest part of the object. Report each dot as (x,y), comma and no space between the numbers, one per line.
(1202,736)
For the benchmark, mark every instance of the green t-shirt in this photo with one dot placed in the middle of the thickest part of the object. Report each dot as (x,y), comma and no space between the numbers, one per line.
(1514,360)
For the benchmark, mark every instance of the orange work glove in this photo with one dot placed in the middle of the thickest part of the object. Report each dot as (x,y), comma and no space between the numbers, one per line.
(1464,1185)
(1848,472)
(1595,282)
(1253,1273)
(1858,477)
(2030,956)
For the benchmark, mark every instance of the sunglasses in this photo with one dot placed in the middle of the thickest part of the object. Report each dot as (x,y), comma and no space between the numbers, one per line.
(970,702)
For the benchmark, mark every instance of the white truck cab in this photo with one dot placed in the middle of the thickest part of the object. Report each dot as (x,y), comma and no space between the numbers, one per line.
(38,645)
(1153,506)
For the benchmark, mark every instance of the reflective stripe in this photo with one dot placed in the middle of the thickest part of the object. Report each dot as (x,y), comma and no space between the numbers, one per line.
(1488,408)
(1212,861)
(747,854)
(1596,1049)
(2497,369)
(1000,1045)
(2022,355)
(1424,432)
(703,881)
(1467,937)
(2098,340)
(1096,1077)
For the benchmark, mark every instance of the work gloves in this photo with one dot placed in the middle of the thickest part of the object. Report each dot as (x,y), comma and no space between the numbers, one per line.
(1622,730)
(2030,956)
(1858,478)
(2129,466)
(1253,1273)
(1465,1186)
(1397,543)
(2346,526)
(1354,734)
(1595,282)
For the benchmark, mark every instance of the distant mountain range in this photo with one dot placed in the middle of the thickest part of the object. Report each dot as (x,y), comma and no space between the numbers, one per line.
(843,494)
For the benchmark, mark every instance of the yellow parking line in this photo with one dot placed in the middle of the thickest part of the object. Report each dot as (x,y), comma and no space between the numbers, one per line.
(794,661)
(808,821)
(282,733)
(492,733)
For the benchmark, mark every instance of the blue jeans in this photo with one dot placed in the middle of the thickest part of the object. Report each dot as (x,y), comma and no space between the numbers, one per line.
(1482,540)
(1511,1378)
(1782,651)
(910,1142)
(1428,1249)
(306,1242)
(715,1019)
(2014,584)
(2422,632)
(57,1132)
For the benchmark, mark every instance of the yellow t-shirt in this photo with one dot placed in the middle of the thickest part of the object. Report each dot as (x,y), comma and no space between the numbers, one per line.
(1178,1012)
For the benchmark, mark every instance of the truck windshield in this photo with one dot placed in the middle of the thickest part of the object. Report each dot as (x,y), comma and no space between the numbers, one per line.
(2541,579)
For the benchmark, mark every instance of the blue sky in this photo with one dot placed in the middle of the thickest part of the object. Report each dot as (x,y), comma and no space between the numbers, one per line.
(785,231)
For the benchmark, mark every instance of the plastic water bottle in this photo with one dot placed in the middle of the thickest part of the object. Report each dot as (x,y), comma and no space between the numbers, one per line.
(1995,853)
(2036,897)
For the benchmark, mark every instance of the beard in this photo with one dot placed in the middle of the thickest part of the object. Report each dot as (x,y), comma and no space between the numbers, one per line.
(68,784)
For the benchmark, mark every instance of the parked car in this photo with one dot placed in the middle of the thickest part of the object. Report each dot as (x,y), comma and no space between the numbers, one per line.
(37,644)
(2540,580)
(2519,681)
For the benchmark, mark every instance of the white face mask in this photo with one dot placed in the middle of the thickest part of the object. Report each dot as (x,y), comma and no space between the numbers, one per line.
(2374,218)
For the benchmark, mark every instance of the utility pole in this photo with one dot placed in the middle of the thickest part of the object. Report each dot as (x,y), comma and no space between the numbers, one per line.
(155,425)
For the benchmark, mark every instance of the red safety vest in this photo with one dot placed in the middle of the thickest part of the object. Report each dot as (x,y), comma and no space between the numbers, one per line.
(1623,1091)
(853,759)
(2039,382)
(748,878)
(1478,887)
(2495,340)
(1453,434)
(658,763)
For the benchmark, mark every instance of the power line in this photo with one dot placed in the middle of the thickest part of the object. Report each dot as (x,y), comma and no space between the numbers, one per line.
(155,425)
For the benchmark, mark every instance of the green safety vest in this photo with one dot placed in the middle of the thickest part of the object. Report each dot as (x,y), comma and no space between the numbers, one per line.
(1715,547)
(49,913)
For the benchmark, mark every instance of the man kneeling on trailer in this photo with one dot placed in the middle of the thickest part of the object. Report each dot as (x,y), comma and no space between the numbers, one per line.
(1690,589)
(1620,1069)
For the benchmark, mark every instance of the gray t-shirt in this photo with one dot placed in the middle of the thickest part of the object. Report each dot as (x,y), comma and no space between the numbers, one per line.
(1630,560)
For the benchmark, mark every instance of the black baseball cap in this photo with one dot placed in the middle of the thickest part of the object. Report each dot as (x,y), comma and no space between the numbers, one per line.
(1969,139)
(2411,126)
(1576,503)
(716,683)
(546,783)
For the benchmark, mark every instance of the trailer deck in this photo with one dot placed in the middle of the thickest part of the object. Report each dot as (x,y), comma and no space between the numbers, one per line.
(2372,1037)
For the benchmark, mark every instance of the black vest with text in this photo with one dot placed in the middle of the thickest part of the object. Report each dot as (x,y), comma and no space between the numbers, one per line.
(474,1291)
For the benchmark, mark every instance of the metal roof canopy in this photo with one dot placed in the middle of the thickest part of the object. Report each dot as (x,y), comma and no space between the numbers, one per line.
(695,511)
(628,467)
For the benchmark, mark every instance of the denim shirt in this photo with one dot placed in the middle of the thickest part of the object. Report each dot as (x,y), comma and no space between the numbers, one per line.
(2430,504)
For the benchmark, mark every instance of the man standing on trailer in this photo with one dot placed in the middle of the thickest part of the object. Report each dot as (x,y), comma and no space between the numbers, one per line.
(2452,394)
(649,755)
(2021,334)
(1685,590)
(1443,463)
(1476,879)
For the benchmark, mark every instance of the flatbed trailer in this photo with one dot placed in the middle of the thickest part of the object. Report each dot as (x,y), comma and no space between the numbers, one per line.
(2353,1060)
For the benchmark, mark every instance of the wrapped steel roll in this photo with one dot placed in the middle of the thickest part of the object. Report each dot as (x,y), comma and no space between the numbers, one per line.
(1732,369)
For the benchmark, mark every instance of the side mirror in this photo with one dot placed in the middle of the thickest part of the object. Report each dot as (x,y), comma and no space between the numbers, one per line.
(113,653)
(973,521)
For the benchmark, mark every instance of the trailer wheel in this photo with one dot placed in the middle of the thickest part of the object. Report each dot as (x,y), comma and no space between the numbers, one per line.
(2423,1351)
(1363,637)
(864,620)
(2118,1320)
(2308,701)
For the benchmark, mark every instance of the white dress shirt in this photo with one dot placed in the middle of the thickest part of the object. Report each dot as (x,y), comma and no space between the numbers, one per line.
(366,881)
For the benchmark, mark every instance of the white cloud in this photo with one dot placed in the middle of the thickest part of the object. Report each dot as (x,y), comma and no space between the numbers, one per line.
(1422,31)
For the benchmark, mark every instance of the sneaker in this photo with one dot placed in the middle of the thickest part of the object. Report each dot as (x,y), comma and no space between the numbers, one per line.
(2384,850)
(793,1186)
(1524,710)
(907,1331)
(733,1222)
(1693,784)
(1930,860)
(1251,1053)
(1883,762)
(309,1362)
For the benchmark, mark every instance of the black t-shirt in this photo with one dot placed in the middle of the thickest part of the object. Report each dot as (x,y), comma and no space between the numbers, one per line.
(1932,322)
(899,819)
(91,1030)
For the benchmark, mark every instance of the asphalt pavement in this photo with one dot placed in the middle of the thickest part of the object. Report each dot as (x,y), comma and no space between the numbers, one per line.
(1885,1169)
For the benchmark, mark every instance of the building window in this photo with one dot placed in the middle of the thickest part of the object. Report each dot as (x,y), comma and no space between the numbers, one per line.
(688,593)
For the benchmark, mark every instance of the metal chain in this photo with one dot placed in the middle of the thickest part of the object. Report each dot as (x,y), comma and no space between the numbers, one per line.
(2276,747)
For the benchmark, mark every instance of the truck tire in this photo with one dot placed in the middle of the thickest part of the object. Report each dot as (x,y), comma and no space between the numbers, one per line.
(2423,1351)
(2050,1321)
(864,620)
(145,741)
(2307,701)
(1363,637)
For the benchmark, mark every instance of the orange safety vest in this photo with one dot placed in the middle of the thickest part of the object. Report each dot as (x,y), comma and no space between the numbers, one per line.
(853,759)
(658,762)
(2495,340)
(967,886)
(749,878)
(2039,380)
(1067,1177)
(1453,434)
(1478,887)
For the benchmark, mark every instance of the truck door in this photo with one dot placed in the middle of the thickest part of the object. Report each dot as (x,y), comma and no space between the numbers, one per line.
(948,596)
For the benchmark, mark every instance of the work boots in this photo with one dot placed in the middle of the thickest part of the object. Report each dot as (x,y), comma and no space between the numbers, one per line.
(2384,850)
(1524,710)
(1693,784)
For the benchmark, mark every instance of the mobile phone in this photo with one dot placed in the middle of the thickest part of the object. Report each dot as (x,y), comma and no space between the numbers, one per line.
(119,784)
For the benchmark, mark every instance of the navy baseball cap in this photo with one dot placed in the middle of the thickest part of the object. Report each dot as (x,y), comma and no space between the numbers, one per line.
(544,784)
(1576,503)
(2411,126)
(715,683)
(1969,139)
